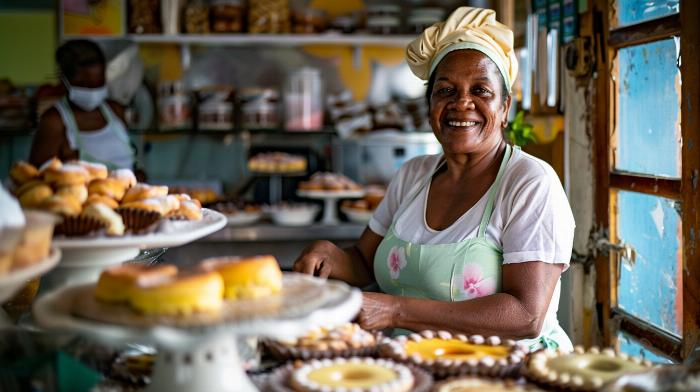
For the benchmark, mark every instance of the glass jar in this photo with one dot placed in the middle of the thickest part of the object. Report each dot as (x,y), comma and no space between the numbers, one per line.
(216,116)
(227,16)
(144,17)
(197,17)
(303,100)
(174,110)
(384,25)
(309,21)
(269,16)
(259,108)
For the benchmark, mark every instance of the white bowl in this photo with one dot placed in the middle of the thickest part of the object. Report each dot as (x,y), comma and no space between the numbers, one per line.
(297,215)
(243,218)
(357,215)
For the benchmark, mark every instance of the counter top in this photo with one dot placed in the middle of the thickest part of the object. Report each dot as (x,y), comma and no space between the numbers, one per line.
(269,232)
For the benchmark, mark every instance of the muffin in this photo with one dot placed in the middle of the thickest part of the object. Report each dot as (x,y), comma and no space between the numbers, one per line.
(12,224)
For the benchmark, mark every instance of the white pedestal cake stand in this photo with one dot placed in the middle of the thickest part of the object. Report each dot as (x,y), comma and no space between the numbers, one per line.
(205,358)
(330,202)
(85,257)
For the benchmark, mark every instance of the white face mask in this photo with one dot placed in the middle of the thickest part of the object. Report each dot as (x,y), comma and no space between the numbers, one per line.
(86,98)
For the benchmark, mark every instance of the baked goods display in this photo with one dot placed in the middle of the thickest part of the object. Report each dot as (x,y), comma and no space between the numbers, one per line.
(478,384)
(90,199)
(581,370)
(354,374)
(444,354)
(277,162)
(239,212)
(247,277)
(204,195)
(292,214)
(329,182)
(361,210)
(345,340)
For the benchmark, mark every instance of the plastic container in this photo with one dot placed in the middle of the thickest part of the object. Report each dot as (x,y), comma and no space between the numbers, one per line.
(216,115)
(174,107)
(269,16)
(309,21)
(227,16)
(196,17)
(303,100)
(259,108)
(384,25)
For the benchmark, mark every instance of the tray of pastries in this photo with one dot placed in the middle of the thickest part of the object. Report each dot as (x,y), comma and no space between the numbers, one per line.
(327,184)
(361,210)
(239,213)
(277,163)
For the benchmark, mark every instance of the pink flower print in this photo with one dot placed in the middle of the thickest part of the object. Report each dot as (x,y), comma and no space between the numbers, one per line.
(396,261)
(473,283)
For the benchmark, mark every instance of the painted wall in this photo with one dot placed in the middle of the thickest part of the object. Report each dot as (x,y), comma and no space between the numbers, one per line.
(27,45)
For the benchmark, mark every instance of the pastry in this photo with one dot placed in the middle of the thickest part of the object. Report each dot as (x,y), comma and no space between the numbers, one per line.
(582,370)
(95,170)
(189,209)
(23,172)
(36,239)
(354,374)
(151,204)
(475,384)
(345,340)
(110,187)
(182,294)
(53,163)
(116,283)
(446,355)
(104,214)
(144,191)
(108,201)
(247,277)
(63,205)
(12,223)
(79,192)
(33,196)
(66,175)
(125,176)
(277,162)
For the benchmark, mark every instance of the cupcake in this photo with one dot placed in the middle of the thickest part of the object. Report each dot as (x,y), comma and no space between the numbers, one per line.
(12,224)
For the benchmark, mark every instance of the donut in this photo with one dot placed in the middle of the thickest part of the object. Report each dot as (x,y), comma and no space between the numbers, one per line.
(102,213)
(62,205)
(110,187)
(144,191)
(32,196)
(23,172)
(116,282)
(125,176)
(108,201)
(80,192)
(95,170)
(67,175)
(246,277)
(183,294)
(354,374)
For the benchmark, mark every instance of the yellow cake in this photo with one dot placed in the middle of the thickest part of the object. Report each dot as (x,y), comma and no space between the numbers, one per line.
(182,294)
(582,370)
(445,354)
(247,277)
(116,283)
(354,374)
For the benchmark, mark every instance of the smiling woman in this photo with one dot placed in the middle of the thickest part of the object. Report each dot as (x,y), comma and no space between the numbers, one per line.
(474,240)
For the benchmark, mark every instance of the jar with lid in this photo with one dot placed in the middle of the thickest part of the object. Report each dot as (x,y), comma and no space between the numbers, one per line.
(303,100)
(385,25)
(309,21)
(269,16)
(215,116)
(144,16)
(174,111)
(421,18)
(227,16)
(259,108)
(197,17)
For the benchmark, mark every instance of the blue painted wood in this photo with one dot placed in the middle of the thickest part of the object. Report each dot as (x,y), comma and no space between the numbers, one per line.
(649,110)
(630,345)
(650,289)
(635,11)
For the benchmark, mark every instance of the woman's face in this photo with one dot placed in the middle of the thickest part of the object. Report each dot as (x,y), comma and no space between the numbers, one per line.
(90,76)
(467,110)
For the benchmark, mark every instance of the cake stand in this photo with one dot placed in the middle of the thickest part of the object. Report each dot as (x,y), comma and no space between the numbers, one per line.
(275,183)
(205,358)
(13,281)
(330,202)
(85,257)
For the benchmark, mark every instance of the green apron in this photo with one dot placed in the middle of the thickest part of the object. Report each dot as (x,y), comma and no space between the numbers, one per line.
(451,272)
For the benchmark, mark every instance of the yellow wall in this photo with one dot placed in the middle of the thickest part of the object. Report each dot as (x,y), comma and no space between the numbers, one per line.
(27,45)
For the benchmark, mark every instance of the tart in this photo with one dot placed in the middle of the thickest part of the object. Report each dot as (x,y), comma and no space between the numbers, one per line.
(477,384)
(445,354)
(581,370)
(345,340)
(354,374)
(246,277)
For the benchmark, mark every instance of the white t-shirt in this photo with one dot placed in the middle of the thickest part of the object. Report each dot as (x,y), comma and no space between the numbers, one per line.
(531,219)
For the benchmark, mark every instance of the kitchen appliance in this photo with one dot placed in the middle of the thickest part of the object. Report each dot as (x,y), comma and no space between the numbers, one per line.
(374,158)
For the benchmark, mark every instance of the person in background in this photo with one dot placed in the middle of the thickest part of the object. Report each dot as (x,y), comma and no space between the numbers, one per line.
(84,124)
(473,240)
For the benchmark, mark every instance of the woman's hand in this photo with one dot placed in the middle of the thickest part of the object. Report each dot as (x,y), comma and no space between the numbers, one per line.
(378,311)
(317,259)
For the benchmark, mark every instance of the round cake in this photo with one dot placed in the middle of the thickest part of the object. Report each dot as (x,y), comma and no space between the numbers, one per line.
(476,384)
(445,354)
(582,370)
(182,294)
(247,277)
(354,374)
(116,283)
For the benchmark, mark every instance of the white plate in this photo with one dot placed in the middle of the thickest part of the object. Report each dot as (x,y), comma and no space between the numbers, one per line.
(331,194)
(171,233)
(358,216)
(243,218)
(14,280)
